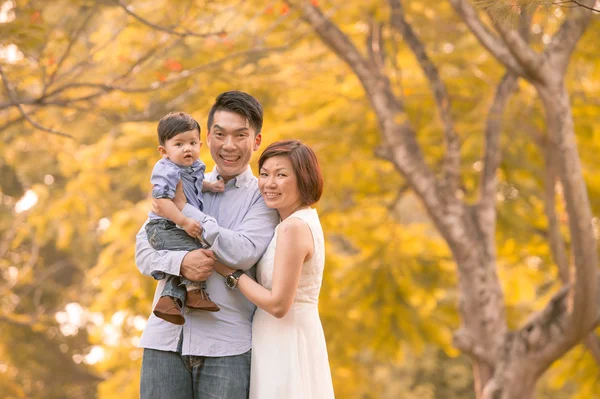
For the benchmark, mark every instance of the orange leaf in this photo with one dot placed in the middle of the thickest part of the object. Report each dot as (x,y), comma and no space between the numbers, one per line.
(269,10)
(173,65)
(285,9)
(51,60)
(160,77)
(36,17)
(314,3)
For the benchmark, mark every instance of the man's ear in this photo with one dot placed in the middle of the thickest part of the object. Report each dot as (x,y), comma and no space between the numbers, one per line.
(162,151)
(257,141)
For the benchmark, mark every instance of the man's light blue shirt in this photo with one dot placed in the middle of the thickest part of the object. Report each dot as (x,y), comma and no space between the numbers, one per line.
(238,230)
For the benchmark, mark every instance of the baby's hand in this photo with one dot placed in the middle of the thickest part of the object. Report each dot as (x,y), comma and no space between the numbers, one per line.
(192,227)
(218,186)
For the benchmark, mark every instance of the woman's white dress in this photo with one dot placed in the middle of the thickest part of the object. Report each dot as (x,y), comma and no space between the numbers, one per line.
(289,355)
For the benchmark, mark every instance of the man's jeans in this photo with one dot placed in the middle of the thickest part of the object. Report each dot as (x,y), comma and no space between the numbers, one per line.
(168,375)
(164,234)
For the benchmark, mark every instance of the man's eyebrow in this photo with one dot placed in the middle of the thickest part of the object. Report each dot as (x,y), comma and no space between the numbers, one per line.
(245,128)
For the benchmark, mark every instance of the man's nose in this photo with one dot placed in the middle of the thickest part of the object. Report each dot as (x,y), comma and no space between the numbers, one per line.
(228,143)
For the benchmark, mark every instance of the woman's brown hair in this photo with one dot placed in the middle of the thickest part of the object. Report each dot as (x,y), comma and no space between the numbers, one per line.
(305,165)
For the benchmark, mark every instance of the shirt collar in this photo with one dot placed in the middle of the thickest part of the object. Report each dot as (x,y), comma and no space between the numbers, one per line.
(239,181)
(197,163)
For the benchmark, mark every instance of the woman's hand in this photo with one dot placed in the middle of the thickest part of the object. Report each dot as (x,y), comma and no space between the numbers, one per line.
(222,269)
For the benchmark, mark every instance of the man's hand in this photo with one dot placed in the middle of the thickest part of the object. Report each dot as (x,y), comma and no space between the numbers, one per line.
(198,265)
(192,227)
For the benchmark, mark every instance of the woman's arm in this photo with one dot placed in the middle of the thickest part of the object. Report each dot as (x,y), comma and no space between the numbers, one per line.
(241,247)
(294,245)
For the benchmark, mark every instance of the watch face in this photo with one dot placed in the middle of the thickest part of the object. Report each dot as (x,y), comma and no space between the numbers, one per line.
(230,281)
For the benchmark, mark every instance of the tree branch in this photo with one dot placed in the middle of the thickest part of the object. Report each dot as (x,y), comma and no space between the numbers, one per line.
(451,166)
(557,243)
(577,4)
(104,88)
(564,41)
(16,104)
(486,206)
(72,41)
(398,134)
(555,238)
(185,33)
(534,64)
(492,43)
(561,131)
(375,44)
(492,157)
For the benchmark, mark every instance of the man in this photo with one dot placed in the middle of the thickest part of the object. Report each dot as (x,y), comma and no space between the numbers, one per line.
(209,356)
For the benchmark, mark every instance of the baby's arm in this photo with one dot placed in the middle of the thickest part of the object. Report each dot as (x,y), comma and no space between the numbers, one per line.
(169,210)
(164,179)
(214,186)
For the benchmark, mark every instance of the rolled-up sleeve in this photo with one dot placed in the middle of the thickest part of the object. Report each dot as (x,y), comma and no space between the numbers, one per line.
(164,179)
(151,262)
(242,248)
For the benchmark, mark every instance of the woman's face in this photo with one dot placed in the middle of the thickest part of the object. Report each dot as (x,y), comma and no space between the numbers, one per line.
(279,186)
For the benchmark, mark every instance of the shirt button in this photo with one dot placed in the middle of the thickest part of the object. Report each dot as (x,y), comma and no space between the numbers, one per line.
(187,310)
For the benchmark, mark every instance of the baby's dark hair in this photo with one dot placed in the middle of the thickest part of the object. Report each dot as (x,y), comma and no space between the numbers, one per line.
(174,123)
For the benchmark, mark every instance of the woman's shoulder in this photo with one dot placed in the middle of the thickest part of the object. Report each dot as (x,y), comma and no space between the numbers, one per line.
(293,227)
(292,222)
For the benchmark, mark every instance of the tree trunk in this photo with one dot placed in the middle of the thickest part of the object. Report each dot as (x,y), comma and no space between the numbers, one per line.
(506,364)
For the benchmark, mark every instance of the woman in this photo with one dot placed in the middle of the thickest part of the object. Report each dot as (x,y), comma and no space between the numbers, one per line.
(289,355)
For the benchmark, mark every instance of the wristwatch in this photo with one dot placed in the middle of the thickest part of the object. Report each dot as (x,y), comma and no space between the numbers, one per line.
(232,279)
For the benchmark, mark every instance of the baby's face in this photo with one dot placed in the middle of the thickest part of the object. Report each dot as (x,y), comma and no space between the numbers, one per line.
(183,149)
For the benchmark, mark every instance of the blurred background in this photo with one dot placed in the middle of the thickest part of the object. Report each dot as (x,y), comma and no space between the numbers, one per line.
(83,85)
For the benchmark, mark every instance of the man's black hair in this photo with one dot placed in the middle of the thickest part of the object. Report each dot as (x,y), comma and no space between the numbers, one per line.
(240,103)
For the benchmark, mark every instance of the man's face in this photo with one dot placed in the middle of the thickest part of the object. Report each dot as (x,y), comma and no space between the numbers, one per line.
(182,149)
(231,141)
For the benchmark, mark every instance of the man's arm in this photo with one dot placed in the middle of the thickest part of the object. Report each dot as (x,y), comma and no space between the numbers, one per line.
(195,265)
(155,263)
(241,248)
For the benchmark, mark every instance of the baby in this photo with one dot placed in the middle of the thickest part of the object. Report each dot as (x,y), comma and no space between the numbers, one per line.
(179,139)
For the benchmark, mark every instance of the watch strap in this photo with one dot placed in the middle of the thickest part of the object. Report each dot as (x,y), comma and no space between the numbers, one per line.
(237,274)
